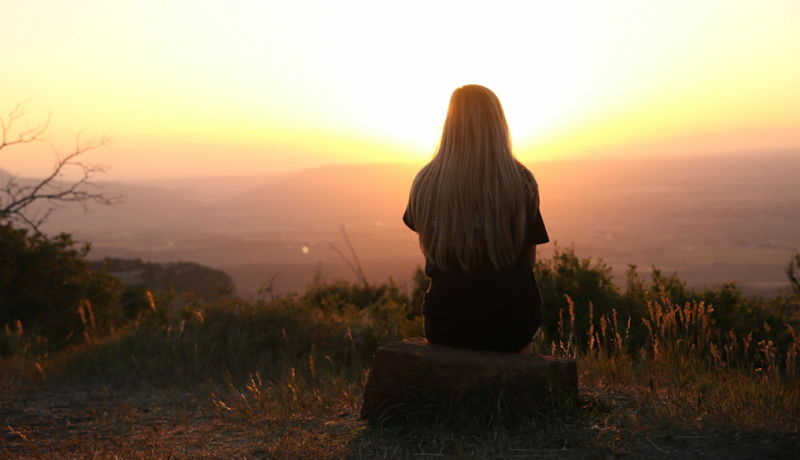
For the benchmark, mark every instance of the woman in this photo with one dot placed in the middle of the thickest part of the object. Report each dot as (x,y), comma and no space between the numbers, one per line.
(476,210)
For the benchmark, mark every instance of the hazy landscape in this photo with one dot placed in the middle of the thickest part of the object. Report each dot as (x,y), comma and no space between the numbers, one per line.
(202,253)
(713,219)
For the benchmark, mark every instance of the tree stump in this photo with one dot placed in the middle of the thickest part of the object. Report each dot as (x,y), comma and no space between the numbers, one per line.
(453,372)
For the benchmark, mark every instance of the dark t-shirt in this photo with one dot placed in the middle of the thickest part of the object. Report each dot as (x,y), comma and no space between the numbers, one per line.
(487,309)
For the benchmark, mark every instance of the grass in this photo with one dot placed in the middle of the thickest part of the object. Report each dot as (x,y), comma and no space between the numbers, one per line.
(284,378)
(692,378)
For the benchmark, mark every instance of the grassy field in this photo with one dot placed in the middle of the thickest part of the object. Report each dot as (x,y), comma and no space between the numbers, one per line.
(282,377)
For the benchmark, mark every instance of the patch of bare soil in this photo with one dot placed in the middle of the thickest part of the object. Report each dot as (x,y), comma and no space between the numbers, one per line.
(85,421)
(81,421)
(718,445)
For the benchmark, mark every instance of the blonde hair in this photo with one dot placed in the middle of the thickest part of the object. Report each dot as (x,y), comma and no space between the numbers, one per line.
(474,197)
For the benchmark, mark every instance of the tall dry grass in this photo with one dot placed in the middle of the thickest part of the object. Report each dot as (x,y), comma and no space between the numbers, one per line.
(688,375)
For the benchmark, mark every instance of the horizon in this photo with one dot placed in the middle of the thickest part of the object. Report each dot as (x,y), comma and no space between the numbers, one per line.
(105,177)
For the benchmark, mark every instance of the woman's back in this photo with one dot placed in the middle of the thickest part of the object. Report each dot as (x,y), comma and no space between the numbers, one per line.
(476,209)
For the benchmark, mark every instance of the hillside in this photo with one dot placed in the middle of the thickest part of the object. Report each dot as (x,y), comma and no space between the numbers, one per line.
(206,283)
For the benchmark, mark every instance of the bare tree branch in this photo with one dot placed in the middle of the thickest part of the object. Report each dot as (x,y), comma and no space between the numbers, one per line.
(346,260)
(23,137)
(18,197)
(355,257)
(357,267)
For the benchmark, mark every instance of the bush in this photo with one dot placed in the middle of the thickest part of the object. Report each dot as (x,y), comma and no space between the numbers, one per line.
(585,282)
(47,286)
(342,294)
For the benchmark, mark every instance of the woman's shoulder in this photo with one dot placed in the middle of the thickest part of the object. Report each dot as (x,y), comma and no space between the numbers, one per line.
(530,180)
(525,171)
(421,173)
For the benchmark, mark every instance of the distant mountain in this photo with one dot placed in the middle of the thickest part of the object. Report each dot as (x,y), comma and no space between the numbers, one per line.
(325,196)
(207,283)
(213,189)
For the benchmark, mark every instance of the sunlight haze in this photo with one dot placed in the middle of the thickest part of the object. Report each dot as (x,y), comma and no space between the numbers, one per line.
(238,88)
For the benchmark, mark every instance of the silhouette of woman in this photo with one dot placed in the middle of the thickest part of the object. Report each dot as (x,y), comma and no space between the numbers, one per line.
(476,210)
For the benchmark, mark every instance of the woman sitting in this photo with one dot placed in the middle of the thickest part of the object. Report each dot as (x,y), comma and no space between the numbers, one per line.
(476,210)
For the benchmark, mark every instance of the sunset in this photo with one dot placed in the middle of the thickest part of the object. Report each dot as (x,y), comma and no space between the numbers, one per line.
(399,230)
(280,86)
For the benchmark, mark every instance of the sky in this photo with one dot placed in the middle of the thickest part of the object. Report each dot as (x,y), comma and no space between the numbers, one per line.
(201,88)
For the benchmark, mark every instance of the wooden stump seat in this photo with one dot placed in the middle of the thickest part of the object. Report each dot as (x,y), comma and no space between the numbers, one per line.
(400,366)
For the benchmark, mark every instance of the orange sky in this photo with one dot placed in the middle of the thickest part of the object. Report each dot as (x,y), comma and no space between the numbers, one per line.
(256,87)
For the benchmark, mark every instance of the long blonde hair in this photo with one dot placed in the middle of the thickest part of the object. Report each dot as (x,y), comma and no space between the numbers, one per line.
(474,197)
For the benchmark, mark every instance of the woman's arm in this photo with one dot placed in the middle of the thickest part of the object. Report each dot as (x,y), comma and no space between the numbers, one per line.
(531,249)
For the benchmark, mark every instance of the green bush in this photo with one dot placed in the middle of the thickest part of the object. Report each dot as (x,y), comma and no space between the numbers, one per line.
(47,286)
(587,281)
(766,319)
(339,295)
(584,281)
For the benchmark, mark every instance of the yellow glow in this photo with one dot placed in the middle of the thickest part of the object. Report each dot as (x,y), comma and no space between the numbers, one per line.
(251,87)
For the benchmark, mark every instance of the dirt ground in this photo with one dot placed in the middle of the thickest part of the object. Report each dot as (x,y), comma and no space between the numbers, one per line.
(74,421)
(70,421)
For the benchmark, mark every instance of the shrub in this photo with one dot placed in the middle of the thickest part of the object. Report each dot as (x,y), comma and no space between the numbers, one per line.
(47,286)
(339,295)
(585,282)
